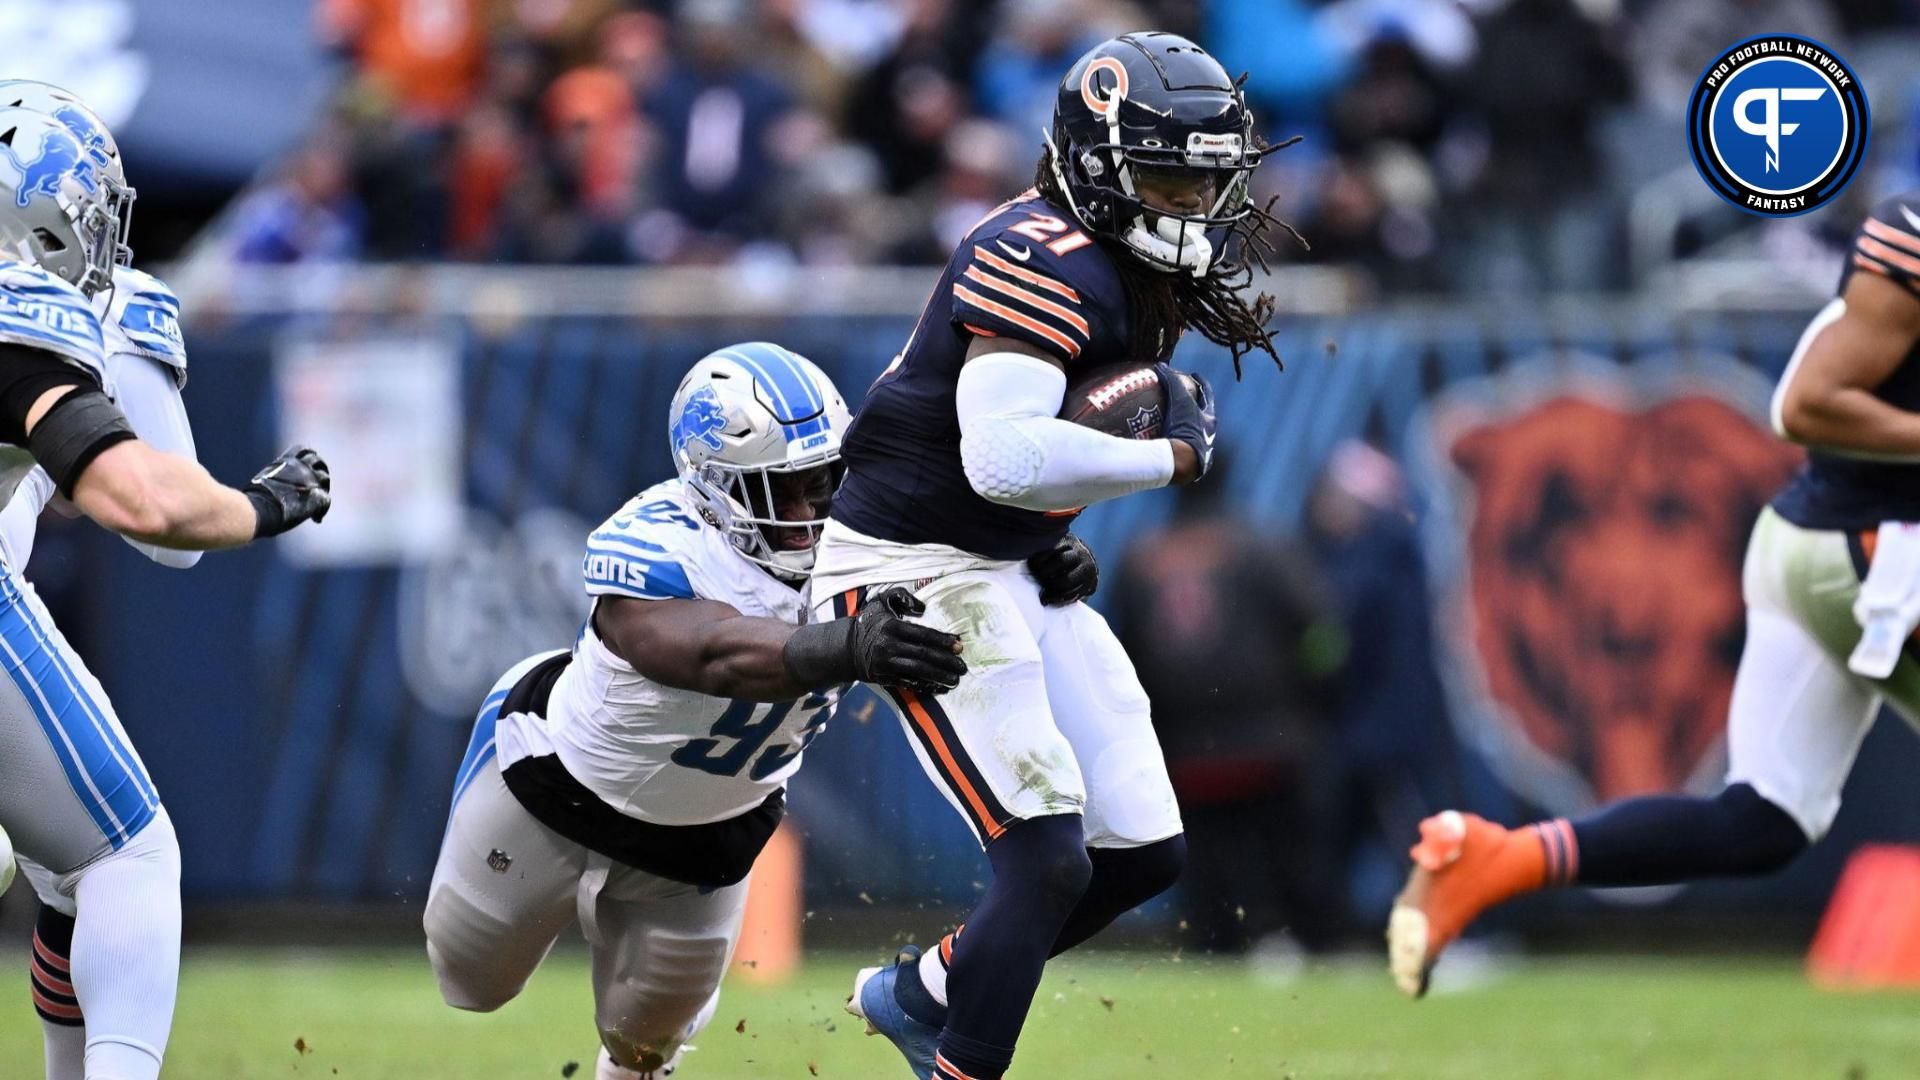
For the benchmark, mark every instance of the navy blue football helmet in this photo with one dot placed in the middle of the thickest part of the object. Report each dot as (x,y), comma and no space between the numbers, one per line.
(1153,110)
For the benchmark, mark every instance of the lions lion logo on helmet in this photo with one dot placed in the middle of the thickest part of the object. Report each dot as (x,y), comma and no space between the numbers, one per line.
(701,421)
(60,157)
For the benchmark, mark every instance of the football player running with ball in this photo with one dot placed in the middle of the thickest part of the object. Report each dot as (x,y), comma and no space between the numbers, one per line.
(632,781)
(961,473)
(1810,681)
(90,371)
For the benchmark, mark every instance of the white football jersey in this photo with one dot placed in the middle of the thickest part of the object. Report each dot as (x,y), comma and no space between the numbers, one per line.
(657,753)
(41,311)
(139,325)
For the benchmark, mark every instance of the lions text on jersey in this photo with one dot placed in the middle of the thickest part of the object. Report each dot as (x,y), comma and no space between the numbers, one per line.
(41,311)
(1024,273)
(658,753)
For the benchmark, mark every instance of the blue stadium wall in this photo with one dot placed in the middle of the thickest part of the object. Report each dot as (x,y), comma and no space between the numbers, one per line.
(273,710)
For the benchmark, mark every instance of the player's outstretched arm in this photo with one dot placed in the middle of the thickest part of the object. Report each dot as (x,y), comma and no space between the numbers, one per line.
(86,445)
(1826,397)
(1017,451)
(711,648)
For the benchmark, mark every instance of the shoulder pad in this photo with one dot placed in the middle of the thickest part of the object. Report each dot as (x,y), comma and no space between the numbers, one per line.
(647,549)
(1030,273)
(45,312)
(144,319)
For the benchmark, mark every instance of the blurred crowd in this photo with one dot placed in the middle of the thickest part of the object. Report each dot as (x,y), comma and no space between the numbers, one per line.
(1503,133)
(1300,777)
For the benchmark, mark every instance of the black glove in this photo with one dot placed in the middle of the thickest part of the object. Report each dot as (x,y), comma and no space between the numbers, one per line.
(876,645)
(295,487)
(1066,572)
(1189,411)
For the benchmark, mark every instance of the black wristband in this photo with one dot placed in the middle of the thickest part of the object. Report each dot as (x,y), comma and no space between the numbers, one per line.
(268,520)
(74,432)
(820,655)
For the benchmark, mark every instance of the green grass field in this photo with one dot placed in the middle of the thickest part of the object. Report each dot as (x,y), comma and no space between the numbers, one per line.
(369,1015)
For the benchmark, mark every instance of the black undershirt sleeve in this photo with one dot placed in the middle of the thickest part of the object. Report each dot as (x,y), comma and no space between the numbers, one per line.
(25,374)
(74,431)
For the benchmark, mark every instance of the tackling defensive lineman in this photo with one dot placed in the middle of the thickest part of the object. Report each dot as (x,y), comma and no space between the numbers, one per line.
(80,808)
(1852,394)
(960,471)
(634,780)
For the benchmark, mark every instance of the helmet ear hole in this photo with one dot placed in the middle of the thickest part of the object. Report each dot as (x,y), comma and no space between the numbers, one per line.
(49,243)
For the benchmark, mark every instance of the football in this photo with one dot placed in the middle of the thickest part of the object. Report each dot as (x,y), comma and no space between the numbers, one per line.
(1123,399)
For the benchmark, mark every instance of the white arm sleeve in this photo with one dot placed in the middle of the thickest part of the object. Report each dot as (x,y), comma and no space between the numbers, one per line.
(149,393)
(21,518)
(1017,451)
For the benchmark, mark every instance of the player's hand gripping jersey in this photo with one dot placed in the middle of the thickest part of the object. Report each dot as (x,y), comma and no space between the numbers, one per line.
(1026,273)
(657,753)
(1836,491)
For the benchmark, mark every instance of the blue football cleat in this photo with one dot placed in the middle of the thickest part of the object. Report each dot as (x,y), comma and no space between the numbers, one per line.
(874,1001)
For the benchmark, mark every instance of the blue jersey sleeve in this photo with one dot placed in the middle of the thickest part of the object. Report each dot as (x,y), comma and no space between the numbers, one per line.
(644,551)
(44,312)
(144,319)
(1030,275)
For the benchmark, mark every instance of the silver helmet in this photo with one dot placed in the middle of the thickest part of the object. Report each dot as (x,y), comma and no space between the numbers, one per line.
(67,209)
(751,426)
(94,135)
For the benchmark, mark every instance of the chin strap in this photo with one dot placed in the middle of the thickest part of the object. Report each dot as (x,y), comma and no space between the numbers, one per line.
(1172,242)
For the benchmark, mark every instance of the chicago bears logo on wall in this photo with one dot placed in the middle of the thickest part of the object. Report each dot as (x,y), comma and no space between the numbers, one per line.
(1597,523)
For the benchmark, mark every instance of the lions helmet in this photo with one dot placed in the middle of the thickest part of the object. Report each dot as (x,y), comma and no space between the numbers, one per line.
(93,134)
(1153,107)
(54,211)
(755,430)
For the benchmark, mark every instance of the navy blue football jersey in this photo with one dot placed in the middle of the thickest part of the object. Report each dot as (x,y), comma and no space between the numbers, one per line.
(1028,273)
(1836,492)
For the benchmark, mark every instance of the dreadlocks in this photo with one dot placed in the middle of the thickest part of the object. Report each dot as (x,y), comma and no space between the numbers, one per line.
(1160,305)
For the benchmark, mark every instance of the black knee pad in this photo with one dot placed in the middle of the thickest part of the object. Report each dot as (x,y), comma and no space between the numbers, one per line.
(1761,837)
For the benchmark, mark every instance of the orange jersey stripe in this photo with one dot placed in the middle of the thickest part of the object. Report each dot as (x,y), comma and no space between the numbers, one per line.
(925,723)
(1014,269)
(1031,299)
(1071,346)
(1889,254)
(1885,233)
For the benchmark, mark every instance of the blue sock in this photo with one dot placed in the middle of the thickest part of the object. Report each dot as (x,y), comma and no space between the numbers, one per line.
(1670,838)
(1040,873)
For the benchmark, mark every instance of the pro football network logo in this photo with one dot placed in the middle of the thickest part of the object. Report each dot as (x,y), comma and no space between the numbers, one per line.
(1777,125)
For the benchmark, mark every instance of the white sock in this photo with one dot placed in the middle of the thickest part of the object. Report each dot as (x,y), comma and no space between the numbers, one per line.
(126,954)
(66,1050)
(933,974)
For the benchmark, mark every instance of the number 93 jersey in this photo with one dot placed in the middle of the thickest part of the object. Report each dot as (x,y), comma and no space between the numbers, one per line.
(659,753)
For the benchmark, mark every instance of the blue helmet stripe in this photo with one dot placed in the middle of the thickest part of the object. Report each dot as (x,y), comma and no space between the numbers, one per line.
(798,397)
(783,404)
(791,363)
